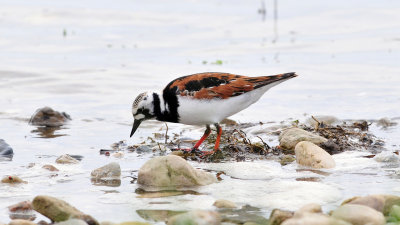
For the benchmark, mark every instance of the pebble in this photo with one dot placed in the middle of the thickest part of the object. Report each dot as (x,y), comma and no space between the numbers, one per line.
(111,170)
(48,117)
(66,159)
(197,217)
(289,138)
(58,210)
(309,154)
(172,171)
(359,215)
(50,167)
(12,180)
(222,203)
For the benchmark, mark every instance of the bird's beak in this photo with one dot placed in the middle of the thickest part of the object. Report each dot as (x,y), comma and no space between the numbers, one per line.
(135,126)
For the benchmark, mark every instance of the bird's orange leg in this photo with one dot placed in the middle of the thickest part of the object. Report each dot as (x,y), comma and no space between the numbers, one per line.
(216,146)
(198,143)
(205,135)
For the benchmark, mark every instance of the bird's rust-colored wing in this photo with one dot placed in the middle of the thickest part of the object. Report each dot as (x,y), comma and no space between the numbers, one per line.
(219,85)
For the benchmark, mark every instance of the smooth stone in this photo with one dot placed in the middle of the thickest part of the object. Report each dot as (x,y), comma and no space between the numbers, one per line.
(197,217)
(72,222)
(309,154)
(50,167)
(58,210)
(327,120)
(278,216)
(359,215)
(289,138)
(48,117)
(66,159)
(12,180)
(5,149)
(314,219)
(222,203)
(21,222)
(172,171)
(381,203)
(110,170)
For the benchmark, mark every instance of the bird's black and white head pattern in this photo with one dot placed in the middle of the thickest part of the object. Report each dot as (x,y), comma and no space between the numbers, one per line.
(143,107)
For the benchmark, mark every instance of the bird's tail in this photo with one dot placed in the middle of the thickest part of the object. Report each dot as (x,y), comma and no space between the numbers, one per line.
(272,80)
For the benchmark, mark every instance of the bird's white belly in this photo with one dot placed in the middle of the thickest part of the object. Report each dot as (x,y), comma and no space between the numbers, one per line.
(200,112)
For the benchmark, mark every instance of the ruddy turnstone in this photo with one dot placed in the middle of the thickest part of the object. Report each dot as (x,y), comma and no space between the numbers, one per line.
(203,99)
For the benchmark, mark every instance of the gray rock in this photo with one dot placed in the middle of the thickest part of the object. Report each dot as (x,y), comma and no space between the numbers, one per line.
(172,171)
(197,217)
(46,116)
(222,203)
(58,210)
(359,215)
(309,154)
(72,222)
(66,159)
(289,138)
(5,149)
(111,170)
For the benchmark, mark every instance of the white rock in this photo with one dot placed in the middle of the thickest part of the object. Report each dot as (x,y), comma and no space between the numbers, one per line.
(290,137)
(66,159)
(309,154)
(110,170)
(172,171)
(359,215)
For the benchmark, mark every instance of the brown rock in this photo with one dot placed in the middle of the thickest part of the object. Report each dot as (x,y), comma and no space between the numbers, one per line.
(46,116)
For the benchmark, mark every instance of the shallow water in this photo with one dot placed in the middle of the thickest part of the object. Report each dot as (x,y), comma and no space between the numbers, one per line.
(90,59)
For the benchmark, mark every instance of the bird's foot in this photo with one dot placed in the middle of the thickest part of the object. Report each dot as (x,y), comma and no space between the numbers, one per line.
(188,150)
(205,154)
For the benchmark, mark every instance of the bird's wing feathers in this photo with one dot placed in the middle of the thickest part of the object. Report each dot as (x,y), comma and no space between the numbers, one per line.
(219,85)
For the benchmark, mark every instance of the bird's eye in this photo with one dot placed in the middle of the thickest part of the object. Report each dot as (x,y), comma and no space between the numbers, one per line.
(145,98)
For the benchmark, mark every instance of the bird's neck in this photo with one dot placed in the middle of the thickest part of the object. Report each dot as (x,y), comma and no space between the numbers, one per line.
(163,110)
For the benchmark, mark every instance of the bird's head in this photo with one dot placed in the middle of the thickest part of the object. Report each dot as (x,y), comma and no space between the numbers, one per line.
(142,109)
